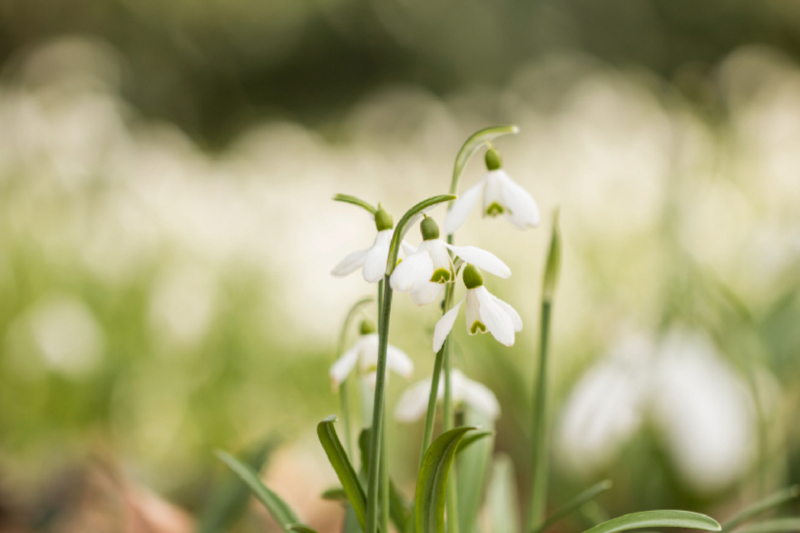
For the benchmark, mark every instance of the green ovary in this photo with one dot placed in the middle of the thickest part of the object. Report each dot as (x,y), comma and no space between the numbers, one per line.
(477,326)
(495,209)
(440,276)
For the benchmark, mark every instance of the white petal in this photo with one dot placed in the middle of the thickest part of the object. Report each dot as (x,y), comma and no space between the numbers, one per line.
(462,207)
(350,264)
(524,211)
(473,313)
(406,248)
(444,326)
(482,259)
(375,262)
(344,365)
(477,395)
(398,362)
(512,313)
(413,403)
(493,194)
(497,321)
(368,348)
(427,293)
(437,249)
(412,272)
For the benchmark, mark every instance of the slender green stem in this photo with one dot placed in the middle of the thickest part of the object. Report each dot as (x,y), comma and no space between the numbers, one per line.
(383,491)
(539,489)
(376,435)
(344,398)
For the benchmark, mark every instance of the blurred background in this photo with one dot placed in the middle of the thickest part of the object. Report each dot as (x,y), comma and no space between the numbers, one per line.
(166,238)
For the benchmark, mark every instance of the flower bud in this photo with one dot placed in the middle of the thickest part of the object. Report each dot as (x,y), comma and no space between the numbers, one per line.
(493,159)
(429,229)
(367,327)
(472,277)
(383,220)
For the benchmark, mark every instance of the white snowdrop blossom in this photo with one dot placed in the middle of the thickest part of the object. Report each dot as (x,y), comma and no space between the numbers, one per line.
(702,410)
(365,352)
(501,196)
(413,404)
(485,312)
(371,260)
(427,269)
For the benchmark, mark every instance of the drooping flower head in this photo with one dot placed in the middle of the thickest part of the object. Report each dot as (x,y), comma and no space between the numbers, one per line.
(365,351)
(485,312)
(413,403)
(429,267)
(372,259)
(501,196)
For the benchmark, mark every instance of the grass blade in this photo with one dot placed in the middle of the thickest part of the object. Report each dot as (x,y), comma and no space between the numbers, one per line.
(647,519)
(279,510)
(432,481)
(344,470)
(228,502)
(770,502)
(574,504)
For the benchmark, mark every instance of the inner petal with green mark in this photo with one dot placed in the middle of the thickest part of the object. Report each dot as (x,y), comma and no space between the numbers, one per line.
(441,275)
(494,209)
(477,326)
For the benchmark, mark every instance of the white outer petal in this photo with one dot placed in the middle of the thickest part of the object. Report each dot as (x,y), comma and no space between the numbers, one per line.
(482,259)
(444,326)
(398,362)
(512,313)
(406,248)
(375,263)
(427,293)
(412,272)
(437,249)
(476,395)
(524,211)
(344,365)
(497,321)
(413,403)
(462,206)
(369,352)
(352,262)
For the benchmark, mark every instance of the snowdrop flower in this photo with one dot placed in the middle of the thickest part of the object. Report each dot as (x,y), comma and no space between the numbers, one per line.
(413,404)
(700,407)
(501,196)
(485,312)
(427,269)
(372,259)
(365,350)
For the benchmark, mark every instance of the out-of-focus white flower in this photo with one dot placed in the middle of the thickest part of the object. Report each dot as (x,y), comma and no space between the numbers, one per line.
(365,350)
(697,403)
(501,196)
(372,259)
(413,404)
(429,267)
(485,312)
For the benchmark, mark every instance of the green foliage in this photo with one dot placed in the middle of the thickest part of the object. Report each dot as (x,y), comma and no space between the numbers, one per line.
(646,519)
(770,502)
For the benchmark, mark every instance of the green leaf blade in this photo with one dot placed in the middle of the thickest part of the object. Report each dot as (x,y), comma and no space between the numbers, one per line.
(279,510)
(344,470)
(666,518)
(770,502)
(574,504)
(432,481)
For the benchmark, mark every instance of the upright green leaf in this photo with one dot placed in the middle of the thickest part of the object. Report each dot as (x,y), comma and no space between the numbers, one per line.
(344,470)
(279,510)
(472,459)
(646,519)
(770,502)
(501,497)
(228,502)
(432,481)
(574,504)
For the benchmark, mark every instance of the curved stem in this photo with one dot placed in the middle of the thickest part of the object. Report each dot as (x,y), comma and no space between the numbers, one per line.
(475,141)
